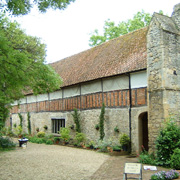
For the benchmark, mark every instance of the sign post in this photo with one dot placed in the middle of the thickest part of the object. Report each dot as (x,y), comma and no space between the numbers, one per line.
(132,168)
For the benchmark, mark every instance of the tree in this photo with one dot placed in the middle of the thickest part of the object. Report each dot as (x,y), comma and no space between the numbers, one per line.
(22,66)
(140,20)
(22,7)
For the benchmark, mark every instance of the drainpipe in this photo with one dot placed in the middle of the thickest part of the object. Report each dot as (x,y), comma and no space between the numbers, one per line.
(63,99)
(130,106)
(80,98)
(102,90)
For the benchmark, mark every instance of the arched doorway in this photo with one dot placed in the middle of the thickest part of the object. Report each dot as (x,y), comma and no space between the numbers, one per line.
(143,131)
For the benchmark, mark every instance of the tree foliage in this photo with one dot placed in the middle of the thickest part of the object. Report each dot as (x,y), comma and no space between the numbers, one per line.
(22,59)
(140,20)
(22,7)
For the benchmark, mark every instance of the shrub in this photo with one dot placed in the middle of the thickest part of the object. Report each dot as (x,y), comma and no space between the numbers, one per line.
(18,130)
(147,158)
(6,143)
(102,145)
(6,131)
(1,125)
(65,134)
(40,140)
(36,140)
(9,132)
(116,148)
(3,130)
(49,141)
(124,139)
(91,144)
(80,137)
(49,136)
(41,134)
(167,140)
(163,175)
(175,159)
(56,138)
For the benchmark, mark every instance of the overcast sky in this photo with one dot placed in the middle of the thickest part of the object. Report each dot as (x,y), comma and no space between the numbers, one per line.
(67,32)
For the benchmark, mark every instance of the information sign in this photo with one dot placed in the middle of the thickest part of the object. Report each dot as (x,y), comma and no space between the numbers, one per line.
(132,168)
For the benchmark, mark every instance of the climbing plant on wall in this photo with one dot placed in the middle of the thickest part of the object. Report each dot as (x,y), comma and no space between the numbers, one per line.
(29,123)
(21,119)
(101,122)
(76,117)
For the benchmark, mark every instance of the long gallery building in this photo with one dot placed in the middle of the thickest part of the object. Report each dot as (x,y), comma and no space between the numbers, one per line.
(136,75)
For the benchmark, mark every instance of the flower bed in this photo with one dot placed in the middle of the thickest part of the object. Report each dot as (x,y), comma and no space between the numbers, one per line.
(165,175)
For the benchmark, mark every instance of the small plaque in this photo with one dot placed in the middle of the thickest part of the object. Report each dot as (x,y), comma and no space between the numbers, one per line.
(152,168)
(132,168)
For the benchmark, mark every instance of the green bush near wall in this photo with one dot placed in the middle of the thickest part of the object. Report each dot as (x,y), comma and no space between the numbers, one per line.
(167,141)
(167,153)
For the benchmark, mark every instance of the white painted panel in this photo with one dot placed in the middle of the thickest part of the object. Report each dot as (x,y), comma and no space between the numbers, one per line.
(31,99)
(55,95)
(139,79)
(73,91)
(14,103)
(42,97)
(22,101)
(91,87)
(116,83)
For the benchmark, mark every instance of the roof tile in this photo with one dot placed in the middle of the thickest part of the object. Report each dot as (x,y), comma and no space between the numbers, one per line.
(126,53)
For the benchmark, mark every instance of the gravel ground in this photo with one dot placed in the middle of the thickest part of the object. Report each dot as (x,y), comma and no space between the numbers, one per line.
(47,162)
(40,161)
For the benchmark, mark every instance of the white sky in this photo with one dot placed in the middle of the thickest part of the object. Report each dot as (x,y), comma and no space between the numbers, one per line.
(67,32)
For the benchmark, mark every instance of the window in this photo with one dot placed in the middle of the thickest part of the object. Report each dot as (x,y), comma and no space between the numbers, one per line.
(57,124)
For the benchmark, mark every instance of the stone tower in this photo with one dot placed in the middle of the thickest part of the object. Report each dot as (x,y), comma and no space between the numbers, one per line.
(163,68)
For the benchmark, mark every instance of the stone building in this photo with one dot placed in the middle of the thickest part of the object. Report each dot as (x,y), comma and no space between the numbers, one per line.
(135,75)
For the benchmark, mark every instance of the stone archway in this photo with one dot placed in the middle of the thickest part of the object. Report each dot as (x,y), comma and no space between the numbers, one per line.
(143,131)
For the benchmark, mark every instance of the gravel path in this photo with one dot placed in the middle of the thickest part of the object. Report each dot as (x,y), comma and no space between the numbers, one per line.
(54,162)
(45,162)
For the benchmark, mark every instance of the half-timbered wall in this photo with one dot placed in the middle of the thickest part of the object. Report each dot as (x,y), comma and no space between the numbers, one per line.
(114,92)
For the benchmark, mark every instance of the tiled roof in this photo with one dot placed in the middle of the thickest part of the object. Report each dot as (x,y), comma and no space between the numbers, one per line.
(126,53)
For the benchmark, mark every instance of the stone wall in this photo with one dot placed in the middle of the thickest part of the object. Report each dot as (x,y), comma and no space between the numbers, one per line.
(163,49)
(89,118)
